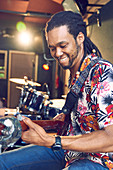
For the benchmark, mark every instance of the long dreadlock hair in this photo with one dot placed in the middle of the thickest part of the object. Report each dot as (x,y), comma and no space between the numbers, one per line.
(75,24)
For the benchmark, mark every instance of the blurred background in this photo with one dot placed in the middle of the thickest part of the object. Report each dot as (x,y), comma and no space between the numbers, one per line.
(23,48)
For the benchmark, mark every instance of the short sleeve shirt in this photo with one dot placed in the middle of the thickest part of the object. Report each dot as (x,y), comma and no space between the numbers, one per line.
(95,108)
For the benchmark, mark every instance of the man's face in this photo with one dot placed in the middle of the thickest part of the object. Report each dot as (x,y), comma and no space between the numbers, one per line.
(63,46)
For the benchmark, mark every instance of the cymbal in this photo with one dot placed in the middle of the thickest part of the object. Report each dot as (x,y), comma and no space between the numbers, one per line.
(23,81)
(20,88)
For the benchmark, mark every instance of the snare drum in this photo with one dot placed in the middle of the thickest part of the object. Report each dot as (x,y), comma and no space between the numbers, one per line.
(31,100)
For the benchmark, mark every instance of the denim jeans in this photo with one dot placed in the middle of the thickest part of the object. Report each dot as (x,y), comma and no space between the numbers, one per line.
(34,157)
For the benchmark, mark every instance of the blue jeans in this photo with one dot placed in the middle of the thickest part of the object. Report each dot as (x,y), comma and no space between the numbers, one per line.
(33,157)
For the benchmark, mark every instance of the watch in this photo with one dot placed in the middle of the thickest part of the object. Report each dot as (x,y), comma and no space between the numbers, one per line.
(57,145)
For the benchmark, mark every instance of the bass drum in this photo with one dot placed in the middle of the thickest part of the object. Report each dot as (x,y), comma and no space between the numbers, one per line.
(53,112)
(31,100)
(55,107)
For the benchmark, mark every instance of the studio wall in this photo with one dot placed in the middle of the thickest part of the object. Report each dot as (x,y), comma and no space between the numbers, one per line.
(103,36)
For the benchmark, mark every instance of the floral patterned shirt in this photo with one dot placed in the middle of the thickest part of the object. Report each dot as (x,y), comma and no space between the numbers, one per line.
(95,108)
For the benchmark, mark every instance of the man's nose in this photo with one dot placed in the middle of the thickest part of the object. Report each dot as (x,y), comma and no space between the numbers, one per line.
(59,52)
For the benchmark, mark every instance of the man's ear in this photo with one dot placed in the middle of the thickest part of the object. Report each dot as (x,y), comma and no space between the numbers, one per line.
(80,38)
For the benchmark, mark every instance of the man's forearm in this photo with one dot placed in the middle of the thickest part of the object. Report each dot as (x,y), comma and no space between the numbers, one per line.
(97,141)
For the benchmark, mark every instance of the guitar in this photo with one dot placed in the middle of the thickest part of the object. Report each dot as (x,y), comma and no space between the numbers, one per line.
(11,129)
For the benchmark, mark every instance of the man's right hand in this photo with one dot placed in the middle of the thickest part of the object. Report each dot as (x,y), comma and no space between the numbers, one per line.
(60,117)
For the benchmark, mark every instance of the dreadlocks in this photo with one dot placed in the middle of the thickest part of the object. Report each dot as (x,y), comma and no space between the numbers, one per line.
(75,25)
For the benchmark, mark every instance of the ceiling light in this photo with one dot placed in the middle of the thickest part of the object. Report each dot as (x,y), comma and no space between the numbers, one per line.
(25,37)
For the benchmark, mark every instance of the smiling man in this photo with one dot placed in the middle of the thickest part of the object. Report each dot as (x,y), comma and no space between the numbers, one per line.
(88,141)
(63,46)
(65,49)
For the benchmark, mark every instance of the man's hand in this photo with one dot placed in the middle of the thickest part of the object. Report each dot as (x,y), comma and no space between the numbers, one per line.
(36,134)
(61,117)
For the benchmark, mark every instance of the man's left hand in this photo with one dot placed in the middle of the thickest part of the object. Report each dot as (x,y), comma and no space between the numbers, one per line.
(36,134)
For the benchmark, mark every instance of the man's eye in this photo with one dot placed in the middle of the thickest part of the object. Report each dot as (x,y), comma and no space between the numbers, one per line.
(63,46)
(52,49)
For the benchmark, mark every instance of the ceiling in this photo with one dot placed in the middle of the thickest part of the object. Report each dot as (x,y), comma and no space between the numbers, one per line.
(39,11)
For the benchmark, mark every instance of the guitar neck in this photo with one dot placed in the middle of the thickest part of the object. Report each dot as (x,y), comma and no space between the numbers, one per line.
(49,125)
(11,127)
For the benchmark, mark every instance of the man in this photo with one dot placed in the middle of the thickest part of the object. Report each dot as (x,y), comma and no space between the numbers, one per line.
(88,142)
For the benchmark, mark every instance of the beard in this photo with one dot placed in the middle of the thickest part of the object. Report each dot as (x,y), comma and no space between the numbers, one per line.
(73,58)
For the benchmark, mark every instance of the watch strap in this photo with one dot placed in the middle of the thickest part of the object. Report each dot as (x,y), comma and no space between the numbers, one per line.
(58,140)
(57,145)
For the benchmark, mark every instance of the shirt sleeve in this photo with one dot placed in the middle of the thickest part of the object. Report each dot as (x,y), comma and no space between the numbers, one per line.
(102,94)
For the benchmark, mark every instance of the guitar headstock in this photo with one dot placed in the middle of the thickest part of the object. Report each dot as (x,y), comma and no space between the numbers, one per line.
(10,131)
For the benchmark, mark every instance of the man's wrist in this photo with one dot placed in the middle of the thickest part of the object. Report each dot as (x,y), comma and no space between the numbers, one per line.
(57,145)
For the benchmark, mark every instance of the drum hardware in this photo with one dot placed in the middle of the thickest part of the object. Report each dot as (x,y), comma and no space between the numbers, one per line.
(46,108)
(47,88)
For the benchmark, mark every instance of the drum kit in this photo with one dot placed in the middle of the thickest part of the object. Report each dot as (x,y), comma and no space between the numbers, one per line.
(36,104)
(33,104)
